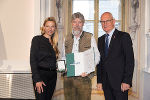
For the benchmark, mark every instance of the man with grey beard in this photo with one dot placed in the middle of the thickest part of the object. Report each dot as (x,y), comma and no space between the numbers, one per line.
(79,87)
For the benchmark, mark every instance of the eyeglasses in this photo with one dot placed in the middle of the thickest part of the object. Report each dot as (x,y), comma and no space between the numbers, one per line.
(106,22)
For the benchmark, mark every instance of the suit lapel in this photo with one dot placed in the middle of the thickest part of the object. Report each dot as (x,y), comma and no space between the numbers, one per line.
(103,45)
(113,38)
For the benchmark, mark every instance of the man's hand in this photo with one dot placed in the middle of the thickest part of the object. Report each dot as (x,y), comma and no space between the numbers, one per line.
(99,87)
(84,74)
(39,86)
(124,87)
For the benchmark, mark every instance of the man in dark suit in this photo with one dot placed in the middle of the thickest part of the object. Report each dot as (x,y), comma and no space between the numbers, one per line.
(115,69)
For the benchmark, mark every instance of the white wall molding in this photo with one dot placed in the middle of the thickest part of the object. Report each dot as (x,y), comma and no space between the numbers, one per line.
(15,66)
(37,19)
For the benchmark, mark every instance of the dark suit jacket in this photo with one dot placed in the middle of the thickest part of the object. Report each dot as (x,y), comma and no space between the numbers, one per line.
(119,64)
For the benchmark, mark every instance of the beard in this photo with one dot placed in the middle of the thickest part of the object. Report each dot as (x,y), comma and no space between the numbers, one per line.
(75,32)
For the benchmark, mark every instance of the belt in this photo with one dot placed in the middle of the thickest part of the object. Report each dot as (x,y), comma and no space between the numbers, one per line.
(48,69)
(91,75)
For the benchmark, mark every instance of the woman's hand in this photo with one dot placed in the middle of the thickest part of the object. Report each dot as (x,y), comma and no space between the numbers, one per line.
(39,86)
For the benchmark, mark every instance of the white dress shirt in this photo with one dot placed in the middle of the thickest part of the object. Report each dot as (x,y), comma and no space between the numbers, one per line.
(110,35)
(75,48)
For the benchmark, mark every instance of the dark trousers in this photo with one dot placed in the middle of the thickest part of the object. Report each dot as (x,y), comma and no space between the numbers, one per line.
(77,88)
(49,78)
(113,94)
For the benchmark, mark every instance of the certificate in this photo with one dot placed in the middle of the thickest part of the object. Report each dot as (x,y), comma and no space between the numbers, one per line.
(78,63)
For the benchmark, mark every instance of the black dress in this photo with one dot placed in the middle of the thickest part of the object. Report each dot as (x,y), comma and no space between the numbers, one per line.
(43,66)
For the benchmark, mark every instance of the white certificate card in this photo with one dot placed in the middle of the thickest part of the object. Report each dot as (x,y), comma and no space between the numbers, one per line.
(61,65)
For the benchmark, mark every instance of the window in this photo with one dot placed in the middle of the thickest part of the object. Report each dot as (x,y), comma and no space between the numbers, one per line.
(93,9)
(87,10)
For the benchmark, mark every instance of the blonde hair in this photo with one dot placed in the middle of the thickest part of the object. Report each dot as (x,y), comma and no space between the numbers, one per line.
(54,37)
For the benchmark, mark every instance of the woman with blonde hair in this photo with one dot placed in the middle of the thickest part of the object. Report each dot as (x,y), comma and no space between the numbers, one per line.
(43,55)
